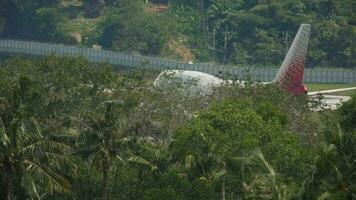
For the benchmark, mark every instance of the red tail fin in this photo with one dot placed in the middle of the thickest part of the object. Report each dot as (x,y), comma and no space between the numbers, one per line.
(290,75)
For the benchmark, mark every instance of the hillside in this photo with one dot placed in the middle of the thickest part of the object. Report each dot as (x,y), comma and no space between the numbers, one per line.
(231,32)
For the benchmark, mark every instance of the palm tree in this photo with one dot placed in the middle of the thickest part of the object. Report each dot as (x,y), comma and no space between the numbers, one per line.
(266,183)
(28,157)
(334,171)
(101,143)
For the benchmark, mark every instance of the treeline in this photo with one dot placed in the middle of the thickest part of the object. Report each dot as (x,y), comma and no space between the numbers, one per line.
(74,130)
(259,32)
(227,31)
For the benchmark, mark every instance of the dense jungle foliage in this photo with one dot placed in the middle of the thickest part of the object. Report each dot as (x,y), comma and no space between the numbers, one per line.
(236,32)
(70,129)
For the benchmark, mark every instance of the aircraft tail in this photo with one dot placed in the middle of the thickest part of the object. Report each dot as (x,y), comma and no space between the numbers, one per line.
(290,75)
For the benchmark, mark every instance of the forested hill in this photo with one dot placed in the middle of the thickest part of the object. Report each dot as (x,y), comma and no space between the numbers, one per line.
(239,32)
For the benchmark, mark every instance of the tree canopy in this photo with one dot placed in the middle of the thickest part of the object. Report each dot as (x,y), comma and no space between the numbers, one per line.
(73,129)
(225,31)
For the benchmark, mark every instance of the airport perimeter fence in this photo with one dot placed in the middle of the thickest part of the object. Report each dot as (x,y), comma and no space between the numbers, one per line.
(132,60)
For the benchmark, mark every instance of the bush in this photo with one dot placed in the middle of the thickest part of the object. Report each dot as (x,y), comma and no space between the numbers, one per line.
(348,115)
(128,28)
(48,22)
(233,129)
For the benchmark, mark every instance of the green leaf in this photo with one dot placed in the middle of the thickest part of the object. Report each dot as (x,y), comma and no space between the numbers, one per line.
(142,161)
(262,161)
(99,156)
(58,182)
(31,187)
(217,175)
(4,139)
(189,162)
(325,195)
(37,127)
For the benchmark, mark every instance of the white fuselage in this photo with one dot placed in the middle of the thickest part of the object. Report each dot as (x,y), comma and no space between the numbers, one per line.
(202,81)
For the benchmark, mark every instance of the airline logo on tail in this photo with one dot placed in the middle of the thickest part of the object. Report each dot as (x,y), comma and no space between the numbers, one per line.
(290,75)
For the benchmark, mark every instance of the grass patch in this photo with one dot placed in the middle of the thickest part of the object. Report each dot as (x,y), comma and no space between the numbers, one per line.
(326,86)
(345,93)
(81,25)
(76,22)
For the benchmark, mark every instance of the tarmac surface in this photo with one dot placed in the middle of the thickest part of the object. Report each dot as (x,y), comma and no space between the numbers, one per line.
(332,102)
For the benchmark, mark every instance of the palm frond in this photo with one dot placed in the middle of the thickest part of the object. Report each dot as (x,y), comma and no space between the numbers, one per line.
(324,196)
(29,184)
(57,182)
(142,161)
(189,162)
(265,185)
(44,145)
(4,139)
(99,158)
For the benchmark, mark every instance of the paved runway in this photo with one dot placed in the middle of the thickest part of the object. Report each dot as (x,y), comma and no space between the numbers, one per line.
(332,102)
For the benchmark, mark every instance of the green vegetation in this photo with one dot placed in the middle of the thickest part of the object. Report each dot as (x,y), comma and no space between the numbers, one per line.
(321,86)
(326,86)
(127,28)
(70,129)
(226,31)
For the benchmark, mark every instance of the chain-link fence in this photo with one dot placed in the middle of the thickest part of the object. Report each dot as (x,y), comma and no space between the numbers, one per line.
(131,60)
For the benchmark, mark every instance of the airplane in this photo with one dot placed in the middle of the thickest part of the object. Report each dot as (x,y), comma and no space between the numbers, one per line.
(288,78)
